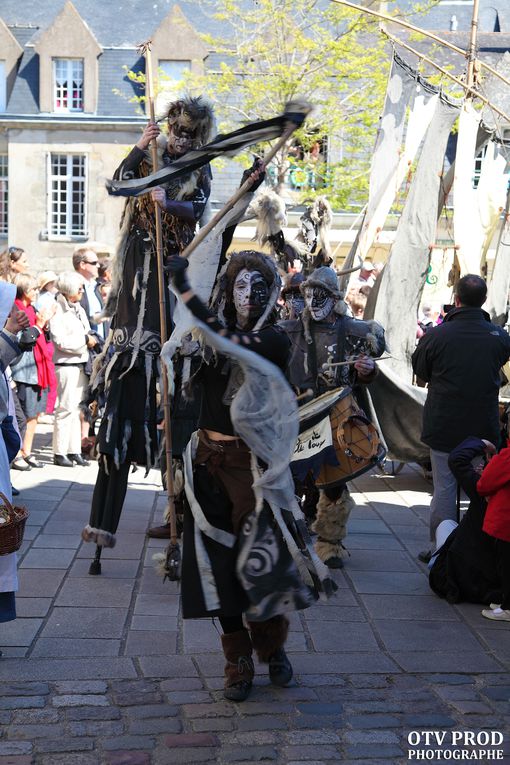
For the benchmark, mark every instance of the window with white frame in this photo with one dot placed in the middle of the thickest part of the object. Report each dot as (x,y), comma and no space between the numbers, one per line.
(4,194)
(67,195)
(68,84)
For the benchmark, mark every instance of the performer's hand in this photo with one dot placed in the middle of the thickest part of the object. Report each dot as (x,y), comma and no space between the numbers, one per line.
(364,366)
(158,195)
(17,321)
(177,267)
(151,131)
(257,172)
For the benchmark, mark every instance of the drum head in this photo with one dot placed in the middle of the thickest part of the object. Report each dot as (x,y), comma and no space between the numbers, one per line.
(314,411)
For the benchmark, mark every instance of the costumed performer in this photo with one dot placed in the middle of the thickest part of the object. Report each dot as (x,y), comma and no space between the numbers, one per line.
(235,559)
(126,373)
(320,338)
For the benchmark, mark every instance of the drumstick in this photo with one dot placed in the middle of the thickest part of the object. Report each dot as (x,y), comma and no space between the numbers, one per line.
(352,361)
(308,392)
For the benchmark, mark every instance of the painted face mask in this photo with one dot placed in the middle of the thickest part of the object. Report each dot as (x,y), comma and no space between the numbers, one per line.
(180,140)
(319,301)
(295,304)
(250,293)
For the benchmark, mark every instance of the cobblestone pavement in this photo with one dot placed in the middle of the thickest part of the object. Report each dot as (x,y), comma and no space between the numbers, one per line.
(102,670)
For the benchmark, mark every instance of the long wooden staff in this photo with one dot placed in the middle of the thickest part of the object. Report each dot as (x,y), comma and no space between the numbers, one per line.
(172,570)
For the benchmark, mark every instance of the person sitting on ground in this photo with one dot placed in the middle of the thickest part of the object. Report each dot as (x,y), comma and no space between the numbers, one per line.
(72,338)
(494,484)
(463,569)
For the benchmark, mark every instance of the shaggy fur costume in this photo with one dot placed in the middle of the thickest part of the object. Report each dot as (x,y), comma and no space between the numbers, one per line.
(269,636)
(237,649)
(331,525)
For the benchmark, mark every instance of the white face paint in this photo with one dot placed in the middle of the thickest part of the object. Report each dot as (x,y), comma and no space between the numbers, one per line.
(319,301)
(251,294)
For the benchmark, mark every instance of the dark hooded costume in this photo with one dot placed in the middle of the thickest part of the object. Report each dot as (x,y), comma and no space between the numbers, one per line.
(126,373)
(314,345)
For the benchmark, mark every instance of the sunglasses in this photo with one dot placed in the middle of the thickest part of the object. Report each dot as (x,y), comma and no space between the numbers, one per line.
(91,262)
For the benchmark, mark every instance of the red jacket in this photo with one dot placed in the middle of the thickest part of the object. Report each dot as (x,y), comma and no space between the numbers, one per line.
(494,483)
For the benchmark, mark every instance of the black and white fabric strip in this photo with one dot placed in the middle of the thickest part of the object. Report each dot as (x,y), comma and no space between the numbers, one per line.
(223,145)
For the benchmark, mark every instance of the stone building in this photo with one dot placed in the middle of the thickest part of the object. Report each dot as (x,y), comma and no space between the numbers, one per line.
(67,115)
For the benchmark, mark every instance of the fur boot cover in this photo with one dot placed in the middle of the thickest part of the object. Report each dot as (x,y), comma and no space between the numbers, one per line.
(237,649)
(269,636)
(99,536)
(331,525)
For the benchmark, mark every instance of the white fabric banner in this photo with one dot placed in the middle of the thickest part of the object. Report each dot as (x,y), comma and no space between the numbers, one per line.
(313,441)
(466,219)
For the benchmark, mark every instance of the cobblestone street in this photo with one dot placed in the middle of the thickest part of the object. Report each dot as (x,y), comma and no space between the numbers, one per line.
(102,670)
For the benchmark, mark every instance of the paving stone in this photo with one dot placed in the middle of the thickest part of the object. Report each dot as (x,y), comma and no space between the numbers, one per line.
(29,607)
(401,606)
(80,700)
(6,717)
(319,708)
(48,558)
(390,582)
(372,721)
(471,707)
(311,737)
(428,721)
(151,643)
(79,758)
(127,743)
(92,713)
(249,738)
(355,636)
(213,725)
(64,745)
(154,623)
(16,759)
(181,684)
(467,661)
(159,666)
(125,757)
(424,635)
(81,686)
(14,747)
(22,702)
(250,754)
(49,647)
(221,709)
(96,728)
(251,707)
(263,722)
(113,593)
(497,693)
(192,740)
(59,541)
(307,753)
(449,679)
(370,737)
(154,725)
(189,697)
(154,605)
(171,757)
(116,569)
(20,632)
(25,689)
(96,622)
(376,751)
(35,731)
(67,669)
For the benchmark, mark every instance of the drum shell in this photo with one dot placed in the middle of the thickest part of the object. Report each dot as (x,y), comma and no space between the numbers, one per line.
(348,467)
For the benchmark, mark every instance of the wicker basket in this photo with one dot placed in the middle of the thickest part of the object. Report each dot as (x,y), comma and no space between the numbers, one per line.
(11,532)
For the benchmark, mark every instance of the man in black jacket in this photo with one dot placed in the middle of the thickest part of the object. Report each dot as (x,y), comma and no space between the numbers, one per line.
(461,361)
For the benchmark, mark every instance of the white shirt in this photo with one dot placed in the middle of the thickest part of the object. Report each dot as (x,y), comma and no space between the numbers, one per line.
(95,306)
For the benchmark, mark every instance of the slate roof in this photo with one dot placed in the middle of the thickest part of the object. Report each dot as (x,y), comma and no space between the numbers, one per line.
(132,21)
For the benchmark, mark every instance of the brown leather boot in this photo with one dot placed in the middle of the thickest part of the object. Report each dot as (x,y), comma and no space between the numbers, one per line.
(268,640)
(239,669)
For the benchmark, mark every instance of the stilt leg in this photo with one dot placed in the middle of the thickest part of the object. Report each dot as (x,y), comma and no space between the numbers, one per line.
(95,566)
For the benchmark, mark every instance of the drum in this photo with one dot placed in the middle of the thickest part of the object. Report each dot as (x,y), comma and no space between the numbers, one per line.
(335,420)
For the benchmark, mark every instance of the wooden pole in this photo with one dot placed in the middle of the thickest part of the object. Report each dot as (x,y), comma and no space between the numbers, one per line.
(424,32)
(471,52)
(162,308)
(246,186)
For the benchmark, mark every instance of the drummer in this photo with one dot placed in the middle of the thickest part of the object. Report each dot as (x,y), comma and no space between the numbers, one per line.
(321,337)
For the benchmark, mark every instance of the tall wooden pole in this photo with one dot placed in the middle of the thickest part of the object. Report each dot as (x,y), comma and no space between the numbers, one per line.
(471,52)
(162,307)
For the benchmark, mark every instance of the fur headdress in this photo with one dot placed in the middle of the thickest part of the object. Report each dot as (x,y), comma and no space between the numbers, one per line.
(317,217)
(194,114)
(269,209)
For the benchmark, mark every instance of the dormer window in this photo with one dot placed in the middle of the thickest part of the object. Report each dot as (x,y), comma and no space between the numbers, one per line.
(68,84)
